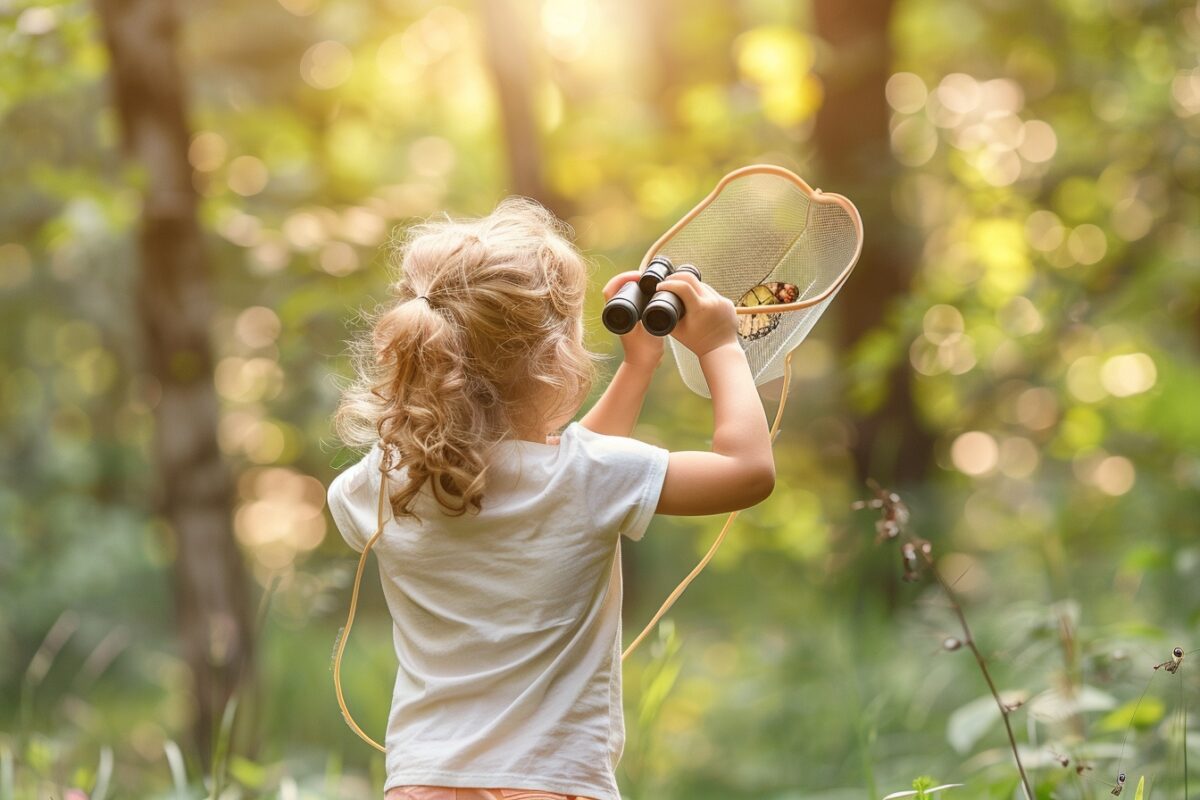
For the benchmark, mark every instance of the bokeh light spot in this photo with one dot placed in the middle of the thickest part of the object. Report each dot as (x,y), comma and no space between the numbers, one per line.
(914,141)
(1044,230)
(326,65)
(975,453)
(906,92)
(1087,244)
(1127,375)
(301,8)
(1018,457)
(941,322)
(1083,379)
(1114,475)
(1037,408)
(1132,219)
(247,175)
(959,93)
(207,151)
(257,326)
(1039,142)
(338,258)
(431,156)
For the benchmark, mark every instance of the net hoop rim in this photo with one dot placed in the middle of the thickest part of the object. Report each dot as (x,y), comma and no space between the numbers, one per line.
(814,195)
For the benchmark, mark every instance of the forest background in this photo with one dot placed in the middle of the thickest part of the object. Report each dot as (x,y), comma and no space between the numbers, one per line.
(198,201)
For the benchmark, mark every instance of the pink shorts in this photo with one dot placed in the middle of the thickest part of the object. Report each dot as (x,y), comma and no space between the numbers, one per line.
(448,793)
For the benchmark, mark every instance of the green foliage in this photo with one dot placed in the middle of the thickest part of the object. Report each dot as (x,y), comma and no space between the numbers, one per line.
(923,787)
(1137,714)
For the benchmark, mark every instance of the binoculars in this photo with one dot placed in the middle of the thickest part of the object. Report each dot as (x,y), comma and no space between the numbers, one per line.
(660,313)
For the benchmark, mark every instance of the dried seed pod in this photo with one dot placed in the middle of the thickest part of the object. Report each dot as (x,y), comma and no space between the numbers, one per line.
(1172,666)
(908,560)
(893,512)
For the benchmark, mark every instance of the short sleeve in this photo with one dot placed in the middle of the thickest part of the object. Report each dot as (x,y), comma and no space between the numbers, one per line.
(625,478)
(354,500)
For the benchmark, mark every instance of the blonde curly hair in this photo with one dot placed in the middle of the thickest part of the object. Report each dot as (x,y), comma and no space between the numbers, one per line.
(483,342)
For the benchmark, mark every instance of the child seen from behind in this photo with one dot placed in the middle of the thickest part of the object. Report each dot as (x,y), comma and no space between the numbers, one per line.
(500,557)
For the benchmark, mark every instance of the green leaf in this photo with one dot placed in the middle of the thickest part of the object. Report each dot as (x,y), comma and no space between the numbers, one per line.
(220,759)
(1141,786)
(923,782)
(178,771)
(6,773)
(914,793)
(1140,715)
(247,772)
(1056,704)
(971,721)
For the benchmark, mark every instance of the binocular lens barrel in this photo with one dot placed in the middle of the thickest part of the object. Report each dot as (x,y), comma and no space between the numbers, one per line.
(659,314)
(621,313)
(665,309)
(657,270)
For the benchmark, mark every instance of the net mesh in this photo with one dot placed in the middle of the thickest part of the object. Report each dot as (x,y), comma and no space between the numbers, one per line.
(760,228)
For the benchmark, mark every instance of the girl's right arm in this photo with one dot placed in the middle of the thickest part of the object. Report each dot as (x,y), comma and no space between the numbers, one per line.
(740,470)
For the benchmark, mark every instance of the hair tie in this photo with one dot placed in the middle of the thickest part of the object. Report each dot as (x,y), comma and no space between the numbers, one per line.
(423,297)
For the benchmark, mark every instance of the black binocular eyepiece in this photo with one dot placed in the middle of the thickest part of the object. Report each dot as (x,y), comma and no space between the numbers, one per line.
(660,313)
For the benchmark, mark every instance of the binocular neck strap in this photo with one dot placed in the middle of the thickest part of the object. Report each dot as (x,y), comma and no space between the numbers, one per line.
(345,632)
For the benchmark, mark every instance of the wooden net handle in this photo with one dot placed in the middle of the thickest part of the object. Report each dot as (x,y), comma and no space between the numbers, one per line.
(712,551)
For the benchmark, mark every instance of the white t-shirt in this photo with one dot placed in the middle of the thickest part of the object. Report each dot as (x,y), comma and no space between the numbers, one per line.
(507,624)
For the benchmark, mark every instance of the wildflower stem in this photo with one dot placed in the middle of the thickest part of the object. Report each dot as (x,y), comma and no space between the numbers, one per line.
(891,524)
(969,640)
(1183,707)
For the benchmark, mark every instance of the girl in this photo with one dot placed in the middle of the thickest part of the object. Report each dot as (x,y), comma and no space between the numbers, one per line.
(501,558)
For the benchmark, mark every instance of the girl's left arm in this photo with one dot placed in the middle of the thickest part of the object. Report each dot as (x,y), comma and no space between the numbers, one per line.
(617,410)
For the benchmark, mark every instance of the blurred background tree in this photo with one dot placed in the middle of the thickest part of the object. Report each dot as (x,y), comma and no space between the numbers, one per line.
(174,307)
(1016,352)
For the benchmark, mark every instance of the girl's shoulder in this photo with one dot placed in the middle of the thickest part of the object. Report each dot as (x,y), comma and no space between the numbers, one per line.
(353,497)
(610,449)
(622,476)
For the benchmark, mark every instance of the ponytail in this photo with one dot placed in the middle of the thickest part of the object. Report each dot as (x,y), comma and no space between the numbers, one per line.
(466,360)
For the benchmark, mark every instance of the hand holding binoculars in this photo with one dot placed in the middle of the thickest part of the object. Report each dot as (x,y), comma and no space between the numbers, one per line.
(660,313)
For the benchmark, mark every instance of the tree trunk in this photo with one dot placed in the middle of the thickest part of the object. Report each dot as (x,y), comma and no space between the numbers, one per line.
(174,308)
(510,57)
(853,139)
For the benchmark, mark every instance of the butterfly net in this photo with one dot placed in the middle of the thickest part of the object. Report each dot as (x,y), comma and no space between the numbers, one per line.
(768,242)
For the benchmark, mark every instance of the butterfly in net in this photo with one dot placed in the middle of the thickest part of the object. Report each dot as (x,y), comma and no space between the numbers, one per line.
(756,326)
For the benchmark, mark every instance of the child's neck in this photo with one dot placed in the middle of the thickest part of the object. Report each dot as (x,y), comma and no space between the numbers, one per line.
(536,439)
